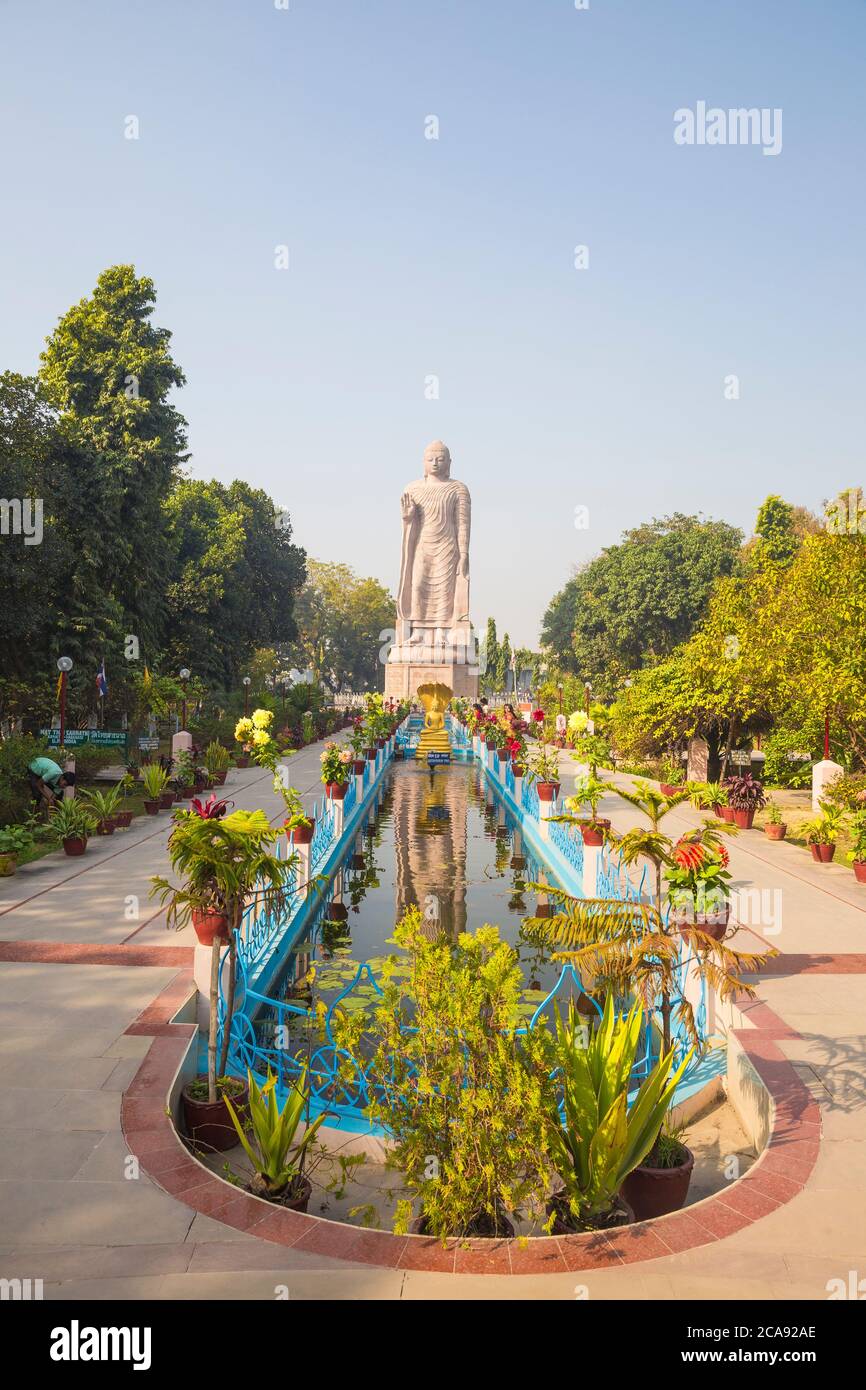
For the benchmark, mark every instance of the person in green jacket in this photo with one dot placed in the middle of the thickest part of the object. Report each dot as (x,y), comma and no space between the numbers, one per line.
(47,781)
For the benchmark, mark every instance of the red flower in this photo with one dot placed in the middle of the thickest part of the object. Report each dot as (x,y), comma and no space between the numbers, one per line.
(210,809)
(724,856)
(688,855)
(538,716)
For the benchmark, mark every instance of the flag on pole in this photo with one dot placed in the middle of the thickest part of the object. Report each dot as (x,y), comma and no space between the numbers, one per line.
(101,680)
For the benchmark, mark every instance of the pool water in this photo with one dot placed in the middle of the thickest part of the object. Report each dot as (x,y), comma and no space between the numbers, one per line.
(442,840)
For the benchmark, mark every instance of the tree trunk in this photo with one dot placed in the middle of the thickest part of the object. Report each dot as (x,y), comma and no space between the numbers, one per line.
(212,1021)
(230,1002)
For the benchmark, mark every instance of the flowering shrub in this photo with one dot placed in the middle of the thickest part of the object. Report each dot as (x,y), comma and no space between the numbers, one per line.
(336,762)
(697,876)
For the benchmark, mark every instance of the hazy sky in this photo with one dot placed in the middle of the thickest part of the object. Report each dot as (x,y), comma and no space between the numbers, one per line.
(412,257)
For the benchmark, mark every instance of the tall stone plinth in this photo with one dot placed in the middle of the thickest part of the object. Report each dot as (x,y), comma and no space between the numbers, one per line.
(411,666)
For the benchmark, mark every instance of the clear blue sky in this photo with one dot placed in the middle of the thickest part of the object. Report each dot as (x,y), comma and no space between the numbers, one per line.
(454,257)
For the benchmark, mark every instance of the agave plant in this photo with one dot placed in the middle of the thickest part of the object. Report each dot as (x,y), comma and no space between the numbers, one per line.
(601,1138)
(103,804)
(277,1158)
(629,946)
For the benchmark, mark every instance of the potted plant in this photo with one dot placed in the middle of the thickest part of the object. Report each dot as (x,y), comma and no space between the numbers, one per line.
(543,767)
(673,778)
(463,1095)
(126,786)
(857,853)
(822,832)
(184,774)
(661,1183)
(15,841)
(336,762)
(630,945)
(600,1139)
(73,823)
(209,1123)
(217,761)
(699,885)
(358,745)
(103,805)
(709,796)
(746,795)
(221,860)
(154,778)
(589,792)
(269,1138)
(774,827)
(517,750)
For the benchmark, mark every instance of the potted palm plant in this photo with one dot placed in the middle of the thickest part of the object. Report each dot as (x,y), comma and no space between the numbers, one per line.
(857,853)
(774,827)
(217,759)
(269,1138)
(103,805)
(709,796)
(601,1139)
(221,861)
(154,778)
(822,832)
(73,823)
(746,796)
(629,946)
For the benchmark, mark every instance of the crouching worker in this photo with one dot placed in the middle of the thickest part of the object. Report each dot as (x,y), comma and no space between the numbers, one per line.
(47,781)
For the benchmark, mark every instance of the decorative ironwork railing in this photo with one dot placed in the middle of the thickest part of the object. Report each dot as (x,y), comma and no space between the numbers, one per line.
(569,841)
(529,798)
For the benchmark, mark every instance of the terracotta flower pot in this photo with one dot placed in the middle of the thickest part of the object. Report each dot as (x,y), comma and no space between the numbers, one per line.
(74,845)
(371,755)
(210,925)
(123,819)
(337,912)
(9,865)
(775,832)
(242,761)
(220,778)
(727,814)
(547,791)
(714,924)
(209,1125)
(822,854)
(656,1191)
(860,870)
(302,1190)
(151,807)
(337,790)
(743,818)
(504,754)
(518,769)
(166,801)
(593,835)
(303,834)
(358,766)
(105,826)
(668,788)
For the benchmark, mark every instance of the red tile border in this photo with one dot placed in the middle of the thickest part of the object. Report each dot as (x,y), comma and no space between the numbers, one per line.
(779,1175)
(85,953)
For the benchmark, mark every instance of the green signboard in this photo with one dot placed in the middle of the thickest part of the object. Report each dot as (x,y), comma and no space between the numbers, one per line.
(103,738)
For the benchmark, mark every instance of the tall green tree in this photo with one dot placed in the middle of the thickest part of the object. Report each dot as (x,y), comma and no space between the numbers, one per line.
(233,577)
(341,618)
(638,600)
(109,371)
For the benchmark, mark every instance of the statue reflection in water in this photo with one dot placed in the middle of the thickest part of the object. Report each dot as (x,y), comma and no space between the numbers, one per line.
(430,850)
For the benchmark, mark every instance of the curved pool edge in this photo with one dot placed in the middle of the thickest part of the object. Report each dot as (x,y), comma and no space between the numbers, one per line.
(782,1110)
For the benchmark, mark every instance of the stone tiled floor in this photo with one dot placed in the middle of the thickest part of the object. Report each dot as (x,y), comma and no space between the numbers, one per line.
(75,1212)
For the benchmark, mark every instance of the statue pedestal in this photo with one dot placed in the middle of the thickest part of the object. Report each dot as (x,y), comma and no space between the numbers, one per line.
(403,677)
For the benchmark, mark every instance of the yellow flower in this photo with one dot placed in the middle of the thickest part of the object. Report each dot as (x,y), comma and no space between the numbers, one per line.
(260,738)
(263,718)
(243,730)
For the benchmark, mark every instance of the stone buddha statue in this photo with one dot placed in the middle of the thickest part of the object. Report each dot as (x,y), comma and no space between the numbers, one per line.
(433,592)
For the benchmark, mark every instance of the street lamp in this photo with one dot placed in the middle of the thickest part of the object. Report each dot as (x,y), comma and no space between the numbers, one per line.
(184,677)
(246,684)
(559,689)
(64,666)
(587,687)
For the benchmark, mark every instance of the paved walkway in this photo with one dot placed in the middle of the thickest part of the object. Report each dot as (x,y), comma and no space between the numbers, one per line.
(79,974)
